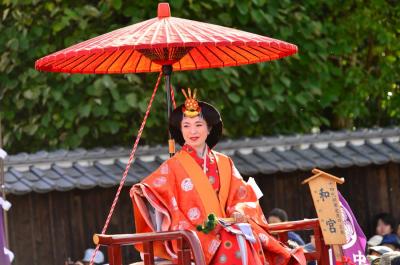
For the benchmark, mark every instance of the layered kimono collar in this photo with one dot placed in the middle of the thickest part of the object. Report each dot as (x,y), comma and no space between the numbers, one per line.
(208,165)
(192,152)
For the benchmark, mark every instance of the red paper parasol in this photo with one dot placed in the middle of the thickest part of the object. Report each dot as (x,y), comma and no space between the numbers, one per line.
(165,40)
(165,44)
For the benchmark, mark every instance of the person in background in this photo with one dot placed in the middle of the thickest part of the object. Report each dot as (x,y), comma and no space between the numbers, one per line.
(278,215)
(374,241)
(398,231)
(387,258)
(98,259)
(392,241)
(395,261)
(384,224)
(310,247)
(378,250)
(375,253)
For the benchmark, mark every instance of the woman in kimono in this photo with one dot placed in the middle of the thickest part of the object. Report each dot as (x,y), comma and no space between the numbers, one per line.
(196,182)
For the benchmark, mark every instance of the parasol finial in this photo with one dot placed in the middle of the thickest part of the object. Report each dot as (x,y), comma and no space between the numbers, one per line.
(163,10)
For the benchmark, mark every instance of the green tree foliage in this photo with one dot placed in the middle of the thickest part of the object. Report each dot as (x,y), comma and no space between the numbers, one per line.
(346,74)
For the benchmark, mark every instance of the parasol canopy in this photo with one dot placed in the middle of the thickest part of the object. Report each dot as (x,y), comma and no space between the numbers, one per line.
(165,40)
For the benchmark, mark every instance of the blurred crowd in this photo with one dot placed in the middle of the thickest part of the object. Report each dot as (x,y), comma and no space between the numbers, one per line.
(384,247)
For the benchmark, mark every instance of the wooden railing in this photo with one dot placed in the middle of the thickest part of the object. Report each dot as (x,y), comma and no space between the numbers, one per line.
(189,244)
(187,240)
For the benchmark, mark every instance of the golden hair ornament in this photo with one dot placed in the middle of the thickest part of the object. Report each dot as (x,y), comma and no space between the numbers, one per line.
(191,108)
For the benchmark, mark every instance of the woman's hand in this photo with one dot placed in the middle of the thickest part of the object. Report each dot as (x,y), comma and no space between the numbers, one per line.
(239,217)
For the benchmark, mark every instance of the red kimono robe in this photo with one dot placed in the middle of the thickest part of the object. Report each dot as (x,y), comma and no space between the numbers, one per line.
(182,194)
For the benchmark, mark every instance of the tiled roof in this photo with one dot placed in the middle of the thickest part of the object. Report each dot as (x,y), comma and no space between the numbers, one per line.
(84,169)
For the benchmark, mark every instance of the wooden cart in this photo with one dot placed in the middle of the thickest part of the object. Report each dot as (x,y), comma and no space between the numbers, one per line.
(189,244)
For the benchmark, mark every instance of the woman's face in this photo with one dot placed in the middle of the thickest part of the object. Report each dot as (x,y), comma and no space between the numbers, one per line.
(382,228)
(194,131)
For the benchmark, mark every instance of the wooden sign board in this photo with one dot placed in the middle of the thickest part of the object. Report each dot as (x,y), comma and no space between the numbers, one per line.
(326,201)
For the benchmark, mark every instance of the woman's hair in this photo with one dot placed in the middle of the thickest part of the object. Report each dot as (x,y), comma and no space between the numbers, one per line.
(208,113)
(387,218)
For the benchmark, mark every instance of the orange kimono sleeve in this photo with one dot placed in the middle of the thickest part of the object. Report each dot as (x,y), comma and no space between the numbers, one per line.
(243,199)
(153,193)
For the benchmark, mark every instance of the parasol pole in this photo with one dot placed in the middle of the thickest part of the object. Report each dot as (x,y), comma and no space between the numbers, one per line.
(167,71)
(3,190)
